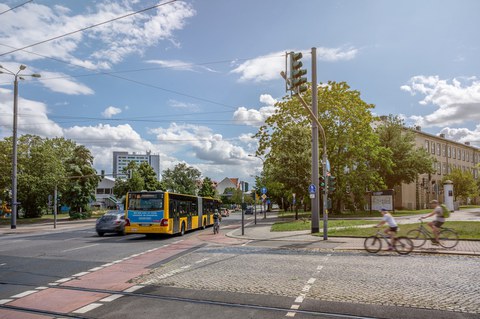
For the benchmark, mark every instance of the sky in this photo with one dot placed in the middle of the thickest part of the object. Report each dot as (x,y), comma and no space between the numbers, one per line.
(193,81)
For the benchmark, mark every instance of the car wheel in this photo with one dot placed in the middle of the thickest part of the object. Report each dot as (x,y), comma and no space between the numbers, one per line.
(100,233)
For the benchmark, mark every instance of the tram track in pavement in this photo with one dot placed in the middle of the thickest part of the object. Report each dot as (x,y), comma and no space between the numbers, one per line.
(175,299)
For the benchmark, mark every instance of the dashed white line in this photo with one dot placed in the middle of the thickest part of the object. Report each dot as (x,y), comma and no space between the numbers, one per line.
(80,274)
(87,308)
(4,301)
(111,298)
(25,293)
(133,288)
(60,281)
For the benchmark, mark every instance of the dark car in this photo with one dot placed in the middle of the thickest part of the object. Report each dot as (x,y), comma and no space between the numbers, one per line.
(112,222)
(249,210)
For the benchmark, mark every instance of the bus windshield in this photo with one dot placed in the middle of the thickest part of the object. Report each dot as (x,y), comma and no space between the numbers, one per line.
(145,201)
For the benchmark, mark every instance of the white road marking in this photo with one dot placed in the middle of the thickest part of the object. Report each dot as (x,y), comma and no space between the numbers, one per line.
(4,301)
(80,274)
(87,308)
(67,250)
(63,280)
(133,288)
(41,288)
(25,293)
(111,298)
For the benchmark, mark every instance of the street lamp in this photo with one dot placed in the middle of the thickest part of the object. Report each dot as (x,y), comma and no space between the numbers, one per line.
(14,142)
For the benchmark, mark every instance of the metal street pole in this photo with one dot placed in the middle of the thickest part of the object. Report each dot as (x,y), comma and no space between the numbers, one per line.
(13,219)
(315,177)
(22,67)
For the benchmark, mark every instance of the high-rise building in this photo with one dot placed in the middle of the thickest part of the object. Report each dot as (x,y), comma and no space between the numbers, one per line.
(121,160)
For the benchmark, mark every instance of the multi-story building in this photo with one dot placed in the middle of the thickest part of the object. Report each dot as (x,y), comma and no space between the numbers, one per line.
(121,160)
(448,155)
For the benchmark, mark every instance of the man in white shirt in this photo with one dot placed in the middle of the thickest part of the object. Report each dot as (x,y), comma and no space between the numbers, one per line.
(437,221)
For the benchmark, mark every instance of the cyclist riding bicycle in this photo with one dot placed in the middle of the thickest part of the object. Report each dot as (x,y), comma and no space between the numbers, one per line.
(217,218)
(392,226)
(437,221)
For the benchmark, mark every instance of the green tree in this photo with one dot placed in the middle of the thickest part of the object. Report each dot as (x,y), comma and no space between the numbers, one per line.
(207,189)
(182,179)
(39,171)
(407,161)
(353,148)
(464,184)
(149,176)
(227,195)
(82,180)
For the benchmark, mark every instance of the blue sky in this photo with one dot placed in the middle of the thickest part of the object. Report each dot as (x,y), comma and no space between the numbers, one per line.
(193,80)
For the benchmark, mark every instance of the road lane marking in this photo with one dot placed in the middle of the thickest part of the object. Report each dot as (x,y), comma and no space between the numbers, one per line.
(80,274)
(25,293)
(87,308)
(111,298)
(133,288)
(4,301)
(60,281)
(72,249)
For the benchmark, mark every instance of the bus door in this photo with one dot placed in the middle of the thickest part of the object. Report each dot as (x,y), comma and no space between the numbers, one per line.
(200,213)
(189,218)
(175,216)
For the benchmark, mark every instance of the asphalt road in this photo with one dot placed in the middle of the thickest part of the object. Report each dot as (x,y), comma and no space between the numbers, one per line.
(80,275)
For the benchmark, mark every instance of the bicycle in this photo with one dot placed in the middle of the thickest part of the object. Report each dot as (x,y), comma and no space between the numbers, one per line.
(447,237)
(402,245)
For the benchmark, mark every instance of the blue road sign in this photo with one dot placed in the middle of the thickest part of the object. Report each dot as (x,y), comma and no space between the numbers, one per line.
(264,190)
(312,189)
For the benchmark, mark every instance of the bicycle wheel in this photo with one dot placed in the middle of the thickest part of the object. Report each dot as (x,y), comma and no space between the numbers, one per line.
(448,238)
(418,237)
(372,244)
(403,245)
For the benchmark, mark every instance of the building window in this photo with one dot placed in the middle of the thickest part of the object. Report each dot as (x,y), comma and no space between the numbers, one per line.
(449,151)
(454,152)
(427,145)
(444,150)
(438,149)
(463,157)
(432,149)
(444,169)
(100,191)
(439,168)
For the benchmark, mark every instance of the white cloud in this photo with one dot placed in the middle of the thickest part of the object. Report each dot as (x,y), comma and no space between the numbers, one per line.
(268,67)
(118,39)
(201,142)
(457,101)
(111,111)
(463,135)
(59,82)
(183,105)
(32,117)
(255,117)
(180,65)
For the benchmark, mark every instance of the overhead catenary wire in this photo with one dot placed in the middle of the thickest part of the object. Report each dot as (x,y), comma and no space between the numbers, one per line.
(22,4)
(89,27)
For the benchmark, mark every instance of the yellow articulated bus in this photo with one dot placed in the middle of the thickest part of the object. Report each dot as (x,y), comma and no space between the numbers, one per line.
(158,212)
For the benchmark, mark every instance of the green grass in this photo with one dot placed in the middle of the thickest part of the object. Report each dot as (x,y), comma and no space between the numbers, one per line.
(359,214)
(306,224)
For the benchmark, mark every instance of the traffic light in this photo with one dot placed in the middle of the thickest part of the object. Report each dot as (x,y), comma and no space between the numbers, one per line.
(297,78)
(332,181)
(102,173)
(130,173)
(321,183)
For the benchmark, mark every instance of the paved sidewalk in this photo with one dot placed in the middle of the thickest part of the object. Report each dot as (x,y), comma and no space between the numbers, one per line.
(261,232)
(62,225)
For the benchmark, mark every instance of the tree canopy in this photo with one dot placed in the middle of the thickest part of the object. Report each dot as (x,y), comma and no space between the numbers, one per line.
(182,179)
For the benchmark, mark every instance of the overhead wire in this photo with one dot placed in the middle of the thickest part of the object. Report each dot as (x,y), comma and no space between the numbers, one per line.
(89,27)
(15,7)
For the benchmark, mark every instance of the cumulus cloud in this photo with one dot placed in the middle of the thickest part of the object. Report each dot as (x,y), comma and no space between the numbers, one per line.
(463,135)
(457,101)
(268,67)
(62,83)
(32,117)
(256,117)
(183,105)
(118,39)
(202,142)
(111,111)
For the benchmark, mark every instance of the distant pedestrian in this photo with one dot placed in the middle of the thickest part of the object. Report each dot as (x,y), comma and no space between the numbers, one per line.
(392,226)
